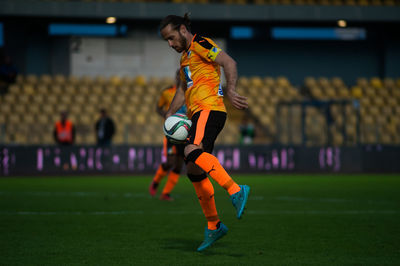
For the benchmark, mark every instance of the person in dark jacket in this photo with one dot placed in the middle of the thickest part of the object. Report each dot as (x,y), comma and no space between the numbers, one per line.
(105,129)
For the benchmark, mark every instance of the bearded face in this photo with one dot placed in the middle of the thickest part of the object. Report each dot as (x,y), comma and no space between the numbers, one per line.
(176,40)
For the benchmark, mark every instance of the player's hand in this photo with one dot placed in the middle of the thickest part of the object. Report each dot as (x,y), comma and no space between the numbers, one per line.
(238,101)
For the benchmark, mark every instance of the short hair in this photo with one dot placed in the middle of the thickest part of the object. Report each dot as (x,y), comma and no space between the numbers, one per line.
(176,22)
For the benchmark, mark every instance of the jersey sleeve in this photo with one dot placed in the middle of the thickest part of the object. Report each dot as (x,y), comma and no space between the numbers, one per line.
(206,49)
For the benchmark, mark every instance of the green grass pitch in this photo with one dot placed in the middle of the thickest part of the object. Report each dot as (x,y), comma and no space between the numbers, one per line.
(290,220)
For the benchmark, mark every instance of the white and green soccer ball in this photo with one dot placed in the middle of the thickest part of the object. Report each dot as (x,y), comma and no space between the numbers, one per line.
(176,128)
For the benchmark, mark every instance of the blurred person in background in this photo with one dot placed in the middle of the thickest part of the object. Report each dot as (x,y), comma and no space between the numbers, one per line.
(201,89)
(105,129)
(8,73)
(247,131)
(64,131)
(174,152)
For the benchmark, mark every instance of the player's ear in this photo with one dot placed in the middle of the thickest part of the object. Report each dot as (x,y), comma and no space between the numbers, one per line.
(182,29)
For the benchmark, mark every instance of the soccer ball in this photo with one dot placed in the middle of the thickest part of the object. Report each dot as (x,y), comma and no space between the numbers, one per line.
(176,128)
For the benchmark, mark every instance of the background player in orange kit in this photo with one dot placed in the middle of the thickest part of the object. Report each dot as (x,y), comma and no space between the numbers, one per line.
(173,152)
(201,88)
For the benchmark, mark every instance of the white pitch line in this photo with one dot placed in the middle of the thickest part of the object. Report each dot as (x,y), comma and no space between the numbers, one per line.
(249,212)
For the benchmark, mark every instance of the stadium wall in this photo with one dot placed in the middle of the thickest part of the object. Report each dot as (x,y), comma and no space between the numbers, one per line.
(35,52)
(299,59)
(55,161)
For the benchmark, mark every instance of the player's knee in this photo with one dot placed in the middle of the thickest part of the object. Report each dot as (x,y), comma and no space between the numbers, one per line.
(193,155)
(197,178)
(189,148)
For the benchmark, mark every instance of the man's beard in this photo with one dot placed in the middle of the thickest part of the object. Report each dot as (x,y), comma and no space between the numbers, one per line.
(182,42)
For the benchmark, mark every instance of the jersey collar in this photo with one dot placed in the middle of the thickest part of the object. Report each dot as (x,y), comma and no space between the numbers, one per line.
(191,43)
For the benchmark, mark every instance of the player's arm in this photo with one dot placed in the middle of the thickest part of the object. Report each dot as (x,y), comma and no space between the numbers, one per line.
(230,71)
(177,101)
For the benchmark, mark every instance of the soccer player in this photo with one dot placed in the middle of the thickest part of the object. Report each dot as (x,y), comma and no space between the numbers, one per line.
(173,152)
(200,74)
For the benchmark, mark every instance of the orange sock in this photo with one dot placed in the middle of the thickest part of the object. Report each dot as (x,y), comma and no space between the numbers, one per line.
(171,182)
(205,193)
(160,174)
(210,164)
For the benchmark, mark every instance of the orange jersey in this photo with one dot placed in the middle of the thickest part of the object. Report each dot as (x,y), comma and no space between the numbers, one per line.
(166,98)
(167,95)
(202,76)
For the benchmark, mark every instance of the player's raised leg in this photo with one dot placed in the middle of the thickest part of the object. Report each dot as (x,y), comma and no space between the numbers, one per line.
(206,125)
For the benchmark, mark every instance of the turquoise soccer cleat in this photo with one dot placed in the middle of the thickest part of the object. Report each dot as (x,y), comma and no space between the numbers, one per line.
(210,236)
(239,200)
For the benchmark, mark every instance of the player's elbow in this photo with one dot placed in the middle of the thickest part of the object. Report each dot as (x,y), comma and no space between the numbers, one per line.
(232,63)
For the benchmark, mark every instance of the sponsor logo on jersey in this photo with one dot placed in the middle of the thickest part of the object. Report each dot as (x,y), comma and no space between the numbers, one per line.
(220,91)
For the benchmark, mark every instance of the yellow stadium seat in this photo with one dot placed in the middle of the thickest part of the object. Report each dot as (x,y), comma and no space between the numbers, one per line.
(125,90)
(60,79)
(140,80)
(42,89)
(100,80)
(3,118)
(282,81)
(376,2)
(45,79)
(28,89)
(55,89)
(14,118)
(20,109)
(48,109)
(269,81)
(98,90)
(356,92)
(379,101)
(376,82)
(389,2)
(92,100)
(126,119)
(243,82)
(70,89)
(389,83)
(255,82)
(66,99)
(38,99)
(23,99)
(324,82)
(28,118)
(337,82)
(20,79)
(31,79)
(85,119)
(392,101)
(73,80)
(362,82)
(115,80)
(14,89)
(43,119)
(310,82)
(86,80)
(120,100)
